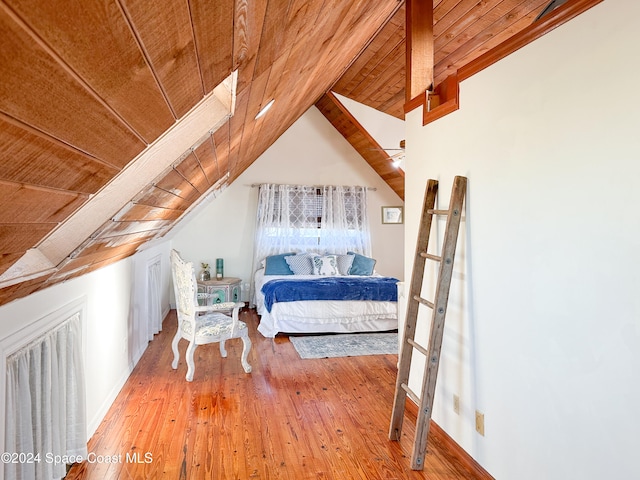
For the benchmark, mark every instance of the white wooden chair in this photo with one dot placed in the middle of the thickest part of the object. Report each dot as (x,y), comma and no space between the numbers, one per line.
(203,324)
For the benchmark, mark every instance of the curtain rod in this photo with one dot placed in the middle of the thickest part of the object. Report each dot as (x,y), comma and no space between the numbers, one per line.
(253,185)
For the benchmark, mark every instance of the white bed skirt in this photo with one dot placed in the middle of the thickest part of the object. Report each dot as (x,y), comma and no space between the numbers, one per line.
(322,316)
(313,316)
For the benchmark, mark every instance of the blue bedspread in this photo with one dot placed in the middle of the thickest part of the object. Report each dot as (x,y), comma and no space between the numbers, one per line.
(330,288)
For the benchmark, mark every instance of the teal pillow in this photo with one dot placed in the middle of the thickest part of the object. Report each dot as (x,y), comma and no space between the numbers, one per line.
(277,265)
(361,265)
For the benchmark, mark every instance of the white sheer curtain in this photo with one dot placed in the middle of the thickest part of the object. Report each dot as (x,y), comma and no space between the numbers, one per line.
(154,287)
(297,218)
(45,403)
(344,227)
(287,220)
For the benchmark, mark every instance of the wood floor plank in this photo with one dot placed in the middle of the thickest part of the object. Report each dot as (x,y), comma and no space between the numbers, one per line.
(290,419)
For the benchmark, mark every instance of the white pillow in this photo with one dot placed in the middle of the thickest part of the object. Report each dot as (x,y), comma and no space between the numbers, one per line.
(300,264)
(325,265)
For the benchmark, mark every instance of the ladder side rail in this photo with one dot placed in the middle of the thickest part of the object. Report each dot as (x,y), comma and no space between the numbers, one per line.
(437,323)
(406,352)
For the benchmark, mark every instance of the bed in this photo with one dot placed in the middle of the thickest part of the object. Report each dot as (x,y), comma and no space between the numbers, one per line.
(290,299)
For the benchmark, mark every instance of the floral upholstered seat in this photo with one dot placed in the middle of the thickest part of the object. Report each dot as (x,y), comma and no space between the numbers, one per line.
(203,324)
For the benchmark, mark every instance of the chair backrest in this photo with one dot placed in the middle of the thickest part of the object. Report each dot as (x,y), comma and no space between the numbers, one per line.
(185,287)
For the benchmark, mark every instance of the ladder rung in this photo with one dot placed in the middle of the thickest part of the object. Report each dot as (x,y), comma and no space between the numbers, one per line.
(417,346)
(425,396)
(436,258)
(423,301)
(410,393)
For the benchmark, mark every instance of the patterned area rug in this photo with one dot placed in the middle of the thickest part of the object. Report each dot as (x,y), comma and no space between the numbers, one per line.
(347,345)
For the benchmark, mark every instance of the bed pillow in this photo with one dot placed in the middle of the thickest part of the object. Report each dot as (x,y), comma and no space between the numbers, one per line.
(344,263)
(277,265)
(325,265)
(361,265)
(300,264)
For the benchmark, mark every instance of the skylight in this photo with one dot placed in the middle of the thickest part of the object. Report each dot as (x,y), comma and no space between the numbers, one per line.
(265,108)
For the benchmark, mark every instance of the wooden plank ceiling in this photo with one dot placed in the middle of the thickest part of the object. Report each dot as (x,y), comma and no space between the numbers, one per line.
(468,35)
(88,87)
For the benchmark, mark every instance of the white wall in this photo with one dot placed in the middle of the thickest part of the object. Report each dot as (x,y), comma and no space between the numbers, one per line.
(543,331)
(114,336)
(311,152)
(115,329)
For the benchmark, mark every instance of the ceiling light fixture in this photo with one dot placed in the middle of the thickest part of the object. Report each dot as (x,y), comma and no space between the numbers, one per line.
(265,108)
(397,159)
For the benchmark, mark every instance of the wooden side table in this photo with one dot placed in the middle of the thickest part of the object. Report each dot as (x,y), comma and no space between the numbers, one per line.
(219,291)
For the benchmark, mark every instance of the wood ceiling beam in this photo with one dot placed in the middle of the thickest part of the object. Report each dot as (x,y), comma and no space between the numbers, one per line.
(445,97)
(419,47)
(362,141)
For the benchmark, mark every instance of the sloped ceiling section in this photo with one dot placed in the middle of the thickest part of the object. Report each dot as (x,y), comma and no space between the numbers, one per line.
(94,225)
(377,77)
(468,36)
(89,88)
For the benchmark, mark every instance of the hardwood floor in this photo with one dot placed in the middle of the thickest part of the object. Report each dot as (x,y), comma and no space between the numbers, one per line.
(288,419)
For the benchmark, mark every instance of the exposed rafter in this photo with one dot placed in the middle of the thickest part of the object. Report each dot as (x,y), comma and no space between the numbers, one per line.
(345,123)
(420,47)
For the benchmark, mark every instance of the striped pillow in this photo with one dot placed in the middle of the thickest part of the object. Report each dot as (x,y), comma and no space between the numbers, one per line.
(344,263)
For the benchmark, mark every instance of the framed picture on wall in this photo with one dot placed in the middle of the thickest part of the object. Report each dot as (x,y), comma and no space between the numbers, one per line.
(392,215)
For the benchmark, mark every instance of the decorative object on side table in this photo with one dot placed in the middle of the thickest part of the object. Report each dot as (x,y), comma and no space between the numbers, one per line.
(205,274)
(219,268)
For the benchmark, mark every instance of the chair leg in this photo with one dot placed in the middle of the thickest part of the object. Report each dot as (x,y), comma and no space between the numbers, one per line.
(191,367)
(245,352)
(223,350)
(174,347)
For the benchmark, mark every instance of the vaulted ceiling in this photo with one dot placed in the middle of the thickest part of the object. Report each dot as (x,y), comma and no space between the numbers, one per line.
(118,116)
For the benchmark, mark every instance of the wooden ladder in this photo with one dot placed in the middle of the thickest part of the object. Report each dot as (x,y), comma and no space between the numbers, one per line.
(439,310)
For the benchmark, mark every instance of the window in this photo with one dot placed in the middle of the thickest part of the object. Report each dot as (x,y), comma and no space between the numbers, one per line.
(296,218)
